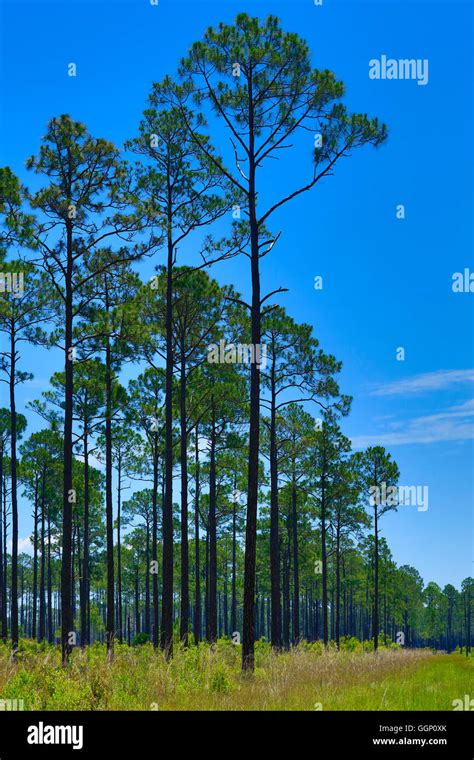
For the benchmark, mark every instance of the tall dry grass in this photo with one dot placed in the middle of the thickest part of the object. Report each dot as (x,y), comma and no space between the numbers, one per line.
(209,678)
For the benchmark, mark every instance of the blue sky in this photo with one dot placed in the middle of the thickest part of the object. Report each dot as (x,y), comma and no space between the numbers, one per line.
(387,282)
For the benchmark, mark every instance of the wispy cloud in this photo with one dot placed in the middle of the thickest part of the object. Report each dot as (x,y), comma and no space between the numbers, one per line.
(454,424)
(93,461)
(42,383)
(24,545)
(429,381)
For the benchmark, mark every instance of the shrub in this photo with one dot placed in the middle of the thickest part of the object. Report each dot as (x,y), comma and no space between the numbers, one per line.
(350,644)
(141,638)
(220,682)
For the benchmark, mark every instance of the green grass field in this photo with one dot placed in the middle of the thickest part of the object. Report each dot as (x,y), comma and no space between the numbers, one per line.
(202,678)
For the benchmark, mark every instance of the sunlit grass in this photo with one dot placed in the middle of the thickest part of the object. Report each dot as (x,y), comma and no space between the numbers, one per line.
(205,678)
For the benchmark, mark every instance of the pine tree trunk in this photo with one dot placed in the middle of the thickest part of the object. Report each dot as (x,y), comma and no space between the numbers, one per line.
(324,564)
(147,626)
(67,621)
(375,618)
(206,596)
(212,539)
(338,582)
(233,616)
(197,568)
(154,548)
(248,657)
(42,610)
(109,518)
(3,621)
(85,633)
(225,616)
(5,567)
(167,594)
(49,585)
(119,551)
(286,599)
(14,496)
(296,571)
(184,624)
(137,602)
(73,571)
(274,522)
(35,563)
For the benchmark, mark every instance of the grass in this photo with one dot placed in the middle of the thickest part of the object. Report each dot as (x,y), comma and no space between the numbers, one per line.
(204,678)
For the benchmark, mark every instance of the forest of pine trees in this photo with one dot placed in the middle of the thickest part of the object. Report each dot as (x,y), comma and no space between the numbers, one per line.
(179,489)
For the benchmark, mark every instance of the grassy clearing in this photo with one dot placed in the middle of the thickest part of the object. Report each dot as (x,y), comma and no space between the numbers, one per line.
(209,679)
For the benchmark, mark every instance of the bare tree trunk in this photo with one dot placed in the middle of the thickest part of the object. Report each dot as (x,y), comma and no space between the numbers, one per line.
(119,556)
(154,549)
(42,606)
(85,632)
(147,625)
(5,568)
(14,495)
(286,599)
(184,625)
(324,564)
(274,524)
(296,570)
(212,539)
(2,569)
(49,585)
(375,618)
(338,583)
(167,595)
(67,621)
(197,569)
(35,562)
(233,621)
(137,603)
(248,657)
(109,518)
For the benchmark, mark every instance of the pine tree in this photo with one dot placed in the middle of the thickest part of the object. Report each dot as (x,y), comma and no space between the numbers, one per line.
(257,79)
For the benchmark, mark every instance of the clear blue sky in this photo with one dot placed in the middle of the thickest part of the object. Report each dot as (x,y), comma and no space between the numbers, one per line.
(387,282)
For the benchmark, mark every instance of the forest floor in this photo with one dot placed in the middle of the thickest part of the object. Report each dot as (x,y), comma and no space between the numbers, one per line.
(202,678)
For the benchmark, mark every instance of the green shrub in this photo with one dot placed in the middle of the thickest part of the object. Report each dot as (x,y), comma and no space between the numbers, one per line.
(350,644)
(220,682)
(141,638)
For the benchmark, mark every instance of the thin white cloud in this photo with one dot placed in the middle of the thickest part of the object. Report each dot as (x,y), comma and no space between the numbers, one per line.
(24,545)
(454,424)
(429,381)
(43,383)
(93,461)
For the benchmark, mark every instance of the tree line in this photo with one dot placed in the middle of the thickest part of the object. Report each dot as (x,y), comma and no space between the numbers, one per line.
(191,475)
